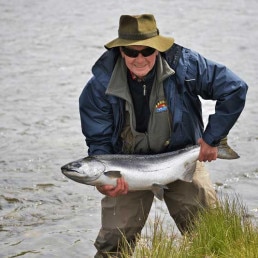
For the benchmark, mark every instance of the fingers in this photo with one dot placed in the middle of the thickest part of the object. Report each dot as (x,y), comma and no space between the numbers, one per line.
(122,186)
(207,157)
(207,152)
(120,189)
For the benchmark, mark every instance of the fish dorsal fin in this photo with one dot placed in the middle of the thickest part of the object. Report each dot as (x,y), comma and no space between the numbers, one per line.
(113,173)
(158,190)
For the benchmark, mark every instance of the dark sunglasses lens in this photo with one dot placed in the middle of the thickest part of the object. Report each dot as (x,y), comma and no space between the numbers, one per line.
(130,52)
(148,51)
(134,53)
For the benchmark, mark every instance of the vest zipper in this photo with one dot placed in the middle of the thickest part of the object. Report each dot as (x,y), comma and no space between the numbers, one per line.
(144,89)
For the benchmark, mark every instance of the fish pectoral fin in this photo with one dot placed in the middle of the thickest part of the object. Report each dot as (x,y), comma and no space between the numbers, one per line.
(113,173)
(158,190)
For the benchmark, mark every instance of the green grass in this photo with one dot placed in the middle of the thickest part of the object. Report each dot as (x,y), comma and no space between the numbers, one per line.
(224,231)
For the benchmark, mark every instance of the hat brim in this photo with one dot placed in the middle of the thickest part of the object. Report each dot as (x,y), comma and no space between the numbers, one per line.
(160,43)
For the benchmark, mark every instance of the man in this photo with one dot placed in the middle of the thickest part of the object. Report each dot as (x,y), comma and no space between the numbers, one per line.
(144,98)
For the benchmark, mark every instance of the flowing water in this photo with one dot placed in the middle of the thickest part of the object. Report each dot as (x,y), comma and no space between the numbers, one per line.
(47,50)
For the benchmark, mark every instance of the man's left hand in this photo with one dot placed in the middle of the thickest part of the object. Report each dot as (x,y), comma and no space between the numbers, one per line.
(207,152)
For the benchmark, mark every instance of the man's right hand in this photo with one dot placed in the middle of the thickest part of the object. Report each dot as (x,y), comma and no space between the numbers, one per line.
(121,188)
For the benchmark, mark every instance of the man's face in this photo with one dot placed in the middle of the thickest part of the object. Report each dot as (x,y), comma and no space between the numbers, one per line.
(140,65)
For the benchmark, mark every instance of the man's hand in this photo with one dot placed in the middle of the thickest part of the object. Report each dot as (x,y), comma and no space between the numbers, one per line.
(207,152)
(114,191)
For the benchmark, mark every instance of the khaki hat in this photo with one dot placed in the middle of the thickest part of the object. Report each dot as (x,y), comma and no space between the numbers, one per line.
(140,30)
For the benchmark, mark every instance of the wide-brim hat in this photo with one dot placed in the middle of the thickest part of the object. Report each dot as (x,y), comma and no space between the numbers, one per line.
(140,30)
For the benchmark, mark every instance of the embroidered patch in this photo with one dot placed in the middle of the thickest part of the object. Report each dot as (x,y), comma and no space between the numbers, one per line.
(161,106)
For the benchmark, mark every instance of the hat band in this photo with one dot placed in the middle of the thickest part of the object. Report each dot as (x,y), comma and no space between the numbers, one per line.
(139,36)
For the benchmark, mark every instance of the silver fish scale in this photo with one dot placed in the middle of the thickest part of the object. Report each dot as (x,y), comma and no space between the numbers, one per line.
(143,163)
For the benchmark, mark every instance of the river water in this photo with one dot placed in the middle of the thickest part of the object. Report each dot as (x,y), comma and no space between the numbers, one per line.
(47,50)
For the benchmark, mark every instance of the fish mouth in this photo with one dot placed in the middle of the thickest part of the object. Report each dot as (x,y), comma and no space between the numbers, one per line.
(77,176)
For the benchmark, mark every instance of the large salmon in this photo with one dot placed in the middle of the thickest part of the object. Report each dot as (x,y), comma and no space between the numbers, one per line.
(142,172)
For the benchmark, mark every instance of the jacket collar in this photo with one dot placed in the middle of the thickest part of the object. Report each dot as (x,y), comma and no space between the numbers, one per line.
(118,85)
(104,66)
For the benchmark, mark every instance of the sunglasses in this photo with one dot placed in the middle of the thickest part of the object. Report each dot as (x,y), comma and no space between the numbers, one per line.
(148,51)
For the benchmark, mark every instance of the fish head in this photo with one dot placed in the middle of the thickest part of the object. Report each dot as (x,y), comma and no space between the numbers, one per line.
(85,171)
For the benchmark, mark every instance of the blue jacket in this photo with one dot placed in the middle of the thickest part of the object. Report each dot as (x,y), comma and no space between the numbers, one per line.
(102,115)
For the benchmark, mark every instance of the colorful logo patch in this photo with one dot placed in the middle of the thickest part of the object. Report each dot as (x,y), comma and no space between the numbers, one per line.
(161,106)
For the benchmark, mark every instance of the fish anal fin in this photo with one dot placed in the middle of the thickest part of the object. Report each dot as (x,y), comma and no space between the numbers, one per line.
(158,190)
(113,174)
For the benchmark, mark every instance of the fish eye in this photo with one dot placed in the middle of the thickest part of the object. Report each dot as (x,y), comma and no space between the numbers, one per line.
(77,164)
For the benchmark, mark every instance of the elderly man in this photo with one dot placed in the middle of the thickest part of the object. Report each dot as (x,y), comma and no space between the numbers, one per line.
(144,98)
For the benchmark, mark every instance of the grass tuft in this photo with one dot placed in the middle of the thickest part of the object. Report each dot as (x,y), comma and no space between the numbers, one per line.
(224,231)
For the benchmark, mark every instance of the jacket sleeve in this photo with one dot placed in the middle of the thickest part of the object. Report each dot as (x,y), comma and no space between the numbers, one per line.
(214,81)
(96,118)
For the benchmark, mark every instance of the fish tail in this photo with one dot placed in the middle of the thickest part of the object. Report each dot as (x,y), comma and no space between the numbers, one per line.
(225,151)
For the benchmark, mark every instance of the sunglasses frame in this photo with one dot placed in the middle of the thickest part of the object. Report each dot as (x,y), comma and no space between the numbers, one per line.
(133,53)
